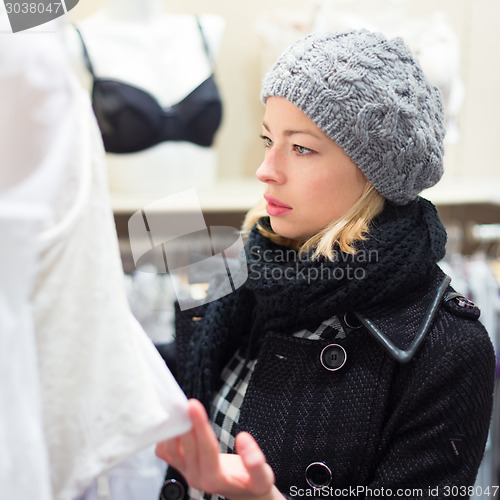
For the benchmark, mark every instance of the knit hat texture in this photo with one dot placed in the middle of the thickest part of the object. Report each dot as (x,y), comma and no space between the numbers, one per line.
(370,96)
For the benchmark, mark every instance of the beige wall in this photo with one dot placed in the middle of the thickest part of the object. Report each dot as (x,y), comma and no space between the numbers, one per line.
(238,73)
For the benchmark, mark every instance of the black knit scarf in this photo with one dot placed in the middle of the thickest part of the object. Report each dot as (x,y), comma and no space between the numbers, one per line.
(286,292)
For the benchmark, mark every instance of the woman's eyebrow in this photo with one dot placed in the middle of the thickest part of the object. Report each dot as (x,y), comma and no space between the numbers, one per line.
(290,132)
(307,132)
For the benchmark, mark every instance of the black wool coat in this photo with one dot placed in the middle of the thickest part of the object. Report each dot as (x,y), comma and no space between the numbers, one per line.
(390,421)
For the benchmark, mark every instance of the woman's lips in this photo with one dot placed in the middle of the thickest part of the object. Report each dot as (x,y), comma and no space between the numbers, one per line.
(275,207)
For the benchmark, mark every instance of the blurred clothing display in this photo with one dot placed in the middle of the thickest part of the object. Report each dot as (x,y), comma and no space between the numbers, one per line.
(152,78)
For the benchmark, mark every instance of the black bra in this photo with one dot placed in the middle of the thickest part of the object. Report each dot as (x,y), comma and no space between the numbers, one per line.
(132,120)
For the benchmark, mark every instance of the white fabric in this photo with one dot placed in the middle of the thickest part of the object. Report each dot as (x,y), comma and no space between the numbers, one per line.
(34,113)
(138,478)
(105,393)
(21,434)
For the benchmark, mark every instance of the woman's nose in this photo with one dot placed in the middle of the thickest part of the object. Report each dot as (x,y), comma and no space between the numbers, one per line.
(270,169)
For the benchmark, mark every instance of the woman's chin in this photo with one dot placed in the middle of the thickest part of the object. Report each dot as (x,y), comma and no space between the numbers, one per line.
(286,230)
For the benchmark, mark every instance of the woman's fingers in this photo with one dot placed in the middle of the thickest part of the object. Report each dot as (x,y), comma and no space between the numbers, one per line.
(191,455)
(261,474)
(206,441)
(172,452)
(196,455)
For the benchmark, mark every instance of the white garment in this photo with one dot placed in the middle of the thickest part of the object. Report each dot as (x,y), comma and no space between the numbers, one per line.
(105,392)
(34,118)
(141,477)
(24,469)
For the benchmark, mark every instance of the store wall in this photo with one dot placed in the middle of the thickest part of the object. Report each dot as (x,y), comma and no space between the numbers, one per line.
(239,72)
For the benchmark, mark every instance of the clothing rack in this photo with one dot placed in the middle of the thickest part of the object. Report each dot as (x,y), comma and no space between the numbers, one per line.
(477,276)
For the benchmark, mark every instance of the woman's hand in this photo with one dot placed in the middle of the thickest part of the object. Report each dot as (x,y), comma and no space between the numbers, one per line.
(241,476)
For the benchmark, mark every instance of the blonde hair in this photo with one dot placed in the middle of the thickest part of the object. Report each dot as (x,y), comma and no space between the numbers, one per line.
(352,226)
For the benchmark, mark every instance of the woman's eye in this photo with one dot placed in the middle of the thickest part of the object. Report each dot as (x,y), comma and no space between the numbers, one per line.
(302,150)
(267,142)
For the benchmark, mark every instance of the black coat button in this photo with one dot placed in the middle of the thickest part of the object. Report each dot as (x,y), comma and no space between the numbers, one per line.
(461,306)
(172,490)
(351,321)
(333,357)
(318,475)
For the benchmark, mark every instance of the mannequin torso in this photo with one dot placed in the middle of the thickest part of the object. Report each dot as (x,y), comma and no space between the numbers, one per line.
(165,55)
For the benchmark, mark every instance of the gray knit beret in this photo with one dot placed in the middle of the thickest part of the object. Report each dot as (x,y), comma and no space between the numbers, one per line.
(371,97)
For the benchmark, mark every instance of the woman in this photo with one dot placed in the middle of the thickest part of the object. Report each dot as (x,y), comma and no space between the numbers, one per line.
(346,365)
